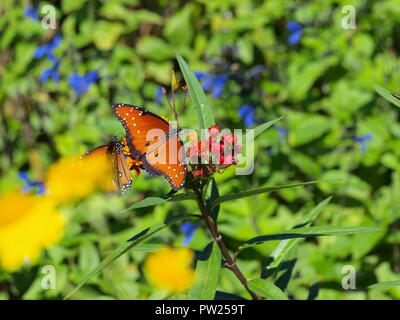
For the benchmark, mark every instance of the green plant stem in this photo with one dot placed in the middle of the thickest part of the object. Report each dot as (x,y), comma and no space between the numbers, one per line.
(230,262)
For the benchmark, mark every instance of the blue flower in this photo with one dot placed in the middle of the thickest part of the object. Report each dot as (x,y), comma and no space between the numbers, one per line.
(51,72)
(48,49)
(219,83)
(81,84)
(362,140)
(256,70)
(295,32)
(159,94)
(246,112)
(188,230)
(199,75)
(29,184)
(31,13)
(212,82)
(282,132)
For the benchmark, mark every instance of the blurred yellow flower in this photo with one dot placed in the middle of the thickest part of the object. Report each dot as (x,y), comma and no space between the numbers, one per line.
(170,268)
(28,224)
(74,178)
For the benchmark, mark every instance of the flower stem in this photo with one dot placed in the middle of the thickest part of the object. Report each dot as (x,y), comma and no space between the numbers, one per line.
(212,227)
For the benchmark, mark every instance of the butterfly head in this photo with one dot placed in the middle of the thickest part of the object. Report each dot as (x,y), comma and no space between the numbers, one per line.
(116,144)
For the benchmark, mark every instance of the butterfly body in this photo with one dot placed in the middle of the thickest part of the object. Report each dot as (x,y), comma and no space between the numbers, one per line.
(150,139)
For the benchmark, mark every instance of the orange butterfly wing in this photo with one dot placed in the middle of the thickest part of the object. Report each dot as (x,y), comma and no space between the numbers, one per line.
(168,159)
(123,178)
(149,139)
(139,124)
(100,152)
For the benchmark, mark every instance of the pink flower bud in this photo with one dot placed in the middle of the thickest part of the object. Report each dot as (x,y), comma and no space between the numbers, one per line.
(213,130)
(228,160)
(237,149)
(216,148)
(229,139)
(203,146)
(192,150)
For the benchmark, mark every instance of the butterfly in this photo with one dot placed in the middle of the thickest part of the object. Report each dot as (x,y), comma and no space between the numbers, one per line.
(122,180)
(150,139)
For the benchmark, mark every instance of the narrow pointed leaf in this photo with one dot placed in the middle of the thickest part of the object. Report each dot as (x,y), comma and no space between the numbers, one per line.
(313,213)
(284,247)
(222,295)
(201,104)
(266,289)
(252,192)
(384,284)
(387,95)
(153,201)
(307,232)
(207,274)
(261,128)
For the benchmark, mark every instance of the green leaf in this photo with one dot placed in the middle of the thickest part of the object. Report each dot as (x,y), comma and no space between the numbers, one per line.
(179,28)
(303,74)
(305,233)
(266,289)
(253,192)
(207,274)
(341,93)
(154,48)
(222,295)
(284,247)
(88,256)
(105,34)
(69,6)
(245,49)
(261,128)
(313,213)
(387,95)
(147,202)
(126,246)
(384,284)
(203,109)
(153,201)
(305,127)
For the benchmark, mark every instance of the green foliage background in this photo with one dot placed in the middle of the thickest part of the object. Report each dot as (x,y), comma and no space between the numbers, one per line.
(324,85)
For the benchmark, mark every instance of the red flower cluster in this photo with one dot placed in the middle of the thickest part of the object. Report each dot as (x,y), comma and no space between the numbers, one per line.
(213,153)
